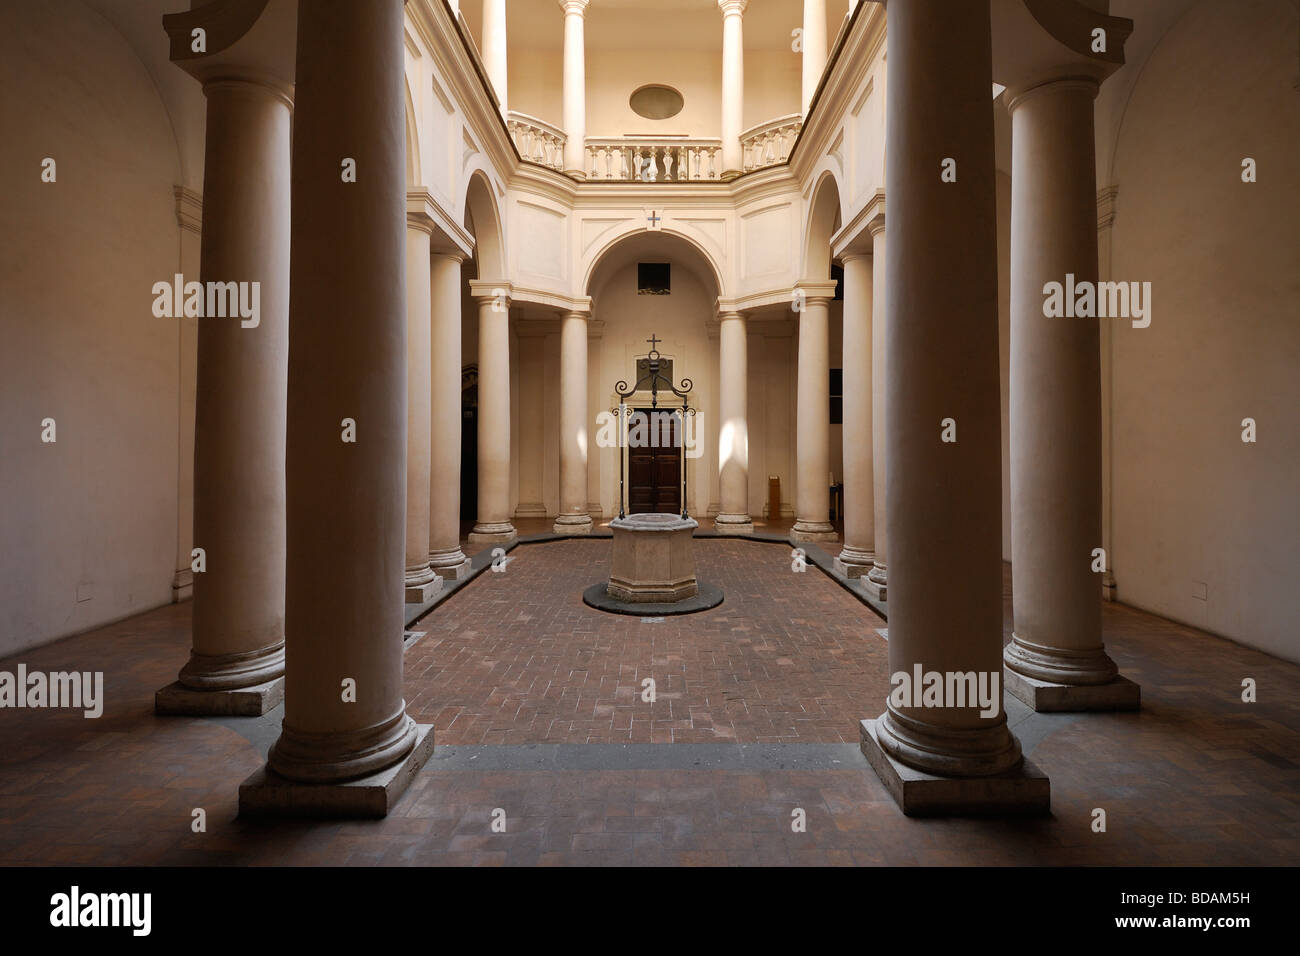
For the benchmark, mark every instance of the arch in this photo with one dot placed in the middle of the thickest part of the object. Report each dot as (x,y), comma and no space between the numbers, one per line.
(824,216)
(701,254)
(483,217)
(414,175)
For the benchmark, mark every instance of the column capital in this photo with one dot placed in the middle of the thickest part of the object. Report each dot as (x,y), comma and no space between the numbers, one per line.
(575,7)
(816,291)
(1015,96)
(732,7)
(489,290)
(725,315)
(583,314)
(852,255)
(244,40)
(454,255)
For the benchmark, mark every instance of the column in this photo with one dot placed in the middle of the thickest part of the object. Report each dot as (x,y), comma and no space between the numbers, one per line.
(733,85)
(493,527)
(812,505)
(237,658)
(347,745)
(814,48)
(1056,659)
(574,433)
(942,429)
(733,426)
(877,580)
(858,555)
(494,48)
(420,581)
(575,87)
(445,555)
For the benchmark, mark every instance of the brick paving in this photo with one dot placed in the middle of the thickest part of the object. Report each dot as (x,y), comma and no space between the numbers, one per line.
(518,658)
(1197,777)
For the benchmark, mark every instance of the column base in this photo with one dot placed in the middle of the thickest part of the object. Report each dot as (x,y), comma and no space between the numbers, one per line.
(1022,790)
(733,524)
(572,524)
(1108,587)
(423,593)
(813,531)
(876,583)
(854,562)
(177,700)
(487,534)
(451,566)
(266,793)
(1046,697)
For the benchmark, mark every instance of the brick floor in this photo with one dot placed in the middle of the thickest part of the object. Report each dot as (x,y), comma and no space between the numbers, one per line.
(1197,777)
(518,658)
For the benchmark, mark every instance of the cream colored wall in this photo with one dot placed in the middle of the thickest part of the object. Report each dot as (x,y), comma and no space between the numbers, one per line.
(772,88)
(89,523)
(1193,505)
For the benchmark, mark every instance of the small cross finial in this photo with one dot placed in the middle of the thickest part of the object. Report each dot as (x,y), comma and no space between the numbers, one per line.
(654,218)
(654,340)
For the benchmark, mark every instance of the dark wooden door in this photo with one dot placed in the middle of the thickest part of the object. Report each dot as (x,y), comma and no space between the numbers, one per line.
(654,464)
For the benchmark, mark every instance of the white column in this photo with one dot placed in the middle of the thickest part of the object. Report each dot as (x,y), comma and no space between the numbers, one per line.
(814,48)
(445,555)
(733,427)
(1056,658)
(420,581)
(943,420)
(858,554)
(494,48)
(812,440)
(733,85)
(344,716)
(574,433)
(493,526)
(876,583)
(575,86)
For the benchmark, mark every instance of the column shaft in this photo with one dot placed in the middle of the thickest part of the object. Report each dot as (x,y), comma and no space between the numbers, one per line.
(733,85)
(445,554)
(239,491)
(494,48)
(812,441)
(344,712)
(944,497)
(575,86)
(877,578)
(1055,392)
(493,526)
(573,517)
(857,556)
(420,580)
(814,48)
(733,434)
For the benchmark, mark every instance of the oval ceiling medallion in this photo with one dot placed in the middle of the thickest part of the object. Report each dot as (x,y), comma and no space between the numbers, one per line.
(656,102)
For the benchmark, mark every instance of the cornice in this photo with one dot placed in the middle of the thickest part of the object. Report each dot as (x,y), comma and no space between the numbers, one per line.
(447,235)
(856,236)
(550,299)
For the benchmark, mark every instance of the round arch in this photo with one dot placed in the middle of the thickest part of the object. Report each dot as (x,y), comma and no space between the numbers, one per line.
(482,211)
(695,250)
(824,218)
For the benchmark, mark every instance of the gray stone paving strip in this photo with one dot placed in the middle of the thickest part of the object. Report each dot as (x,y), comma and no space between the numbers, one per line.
(559,757)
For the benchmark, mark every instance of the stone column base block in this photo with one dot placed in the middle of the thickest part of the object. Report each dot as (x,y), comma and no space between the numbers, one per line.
(813,531)
(182,586)
(733,524)
(854,562)
(1021,791)
(877,590)
(572,524)
(423,593)
(1046,697)
(493,534)
(266,793)
(177,700)
(454,572)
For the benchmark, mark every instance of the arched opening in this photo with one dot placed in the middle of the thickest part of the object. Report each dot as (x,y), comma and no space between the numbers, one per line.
(660,286)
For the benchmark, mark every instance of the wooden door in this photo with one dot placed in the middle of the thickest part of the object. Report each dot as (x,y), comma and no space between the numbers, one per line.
(654,464)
